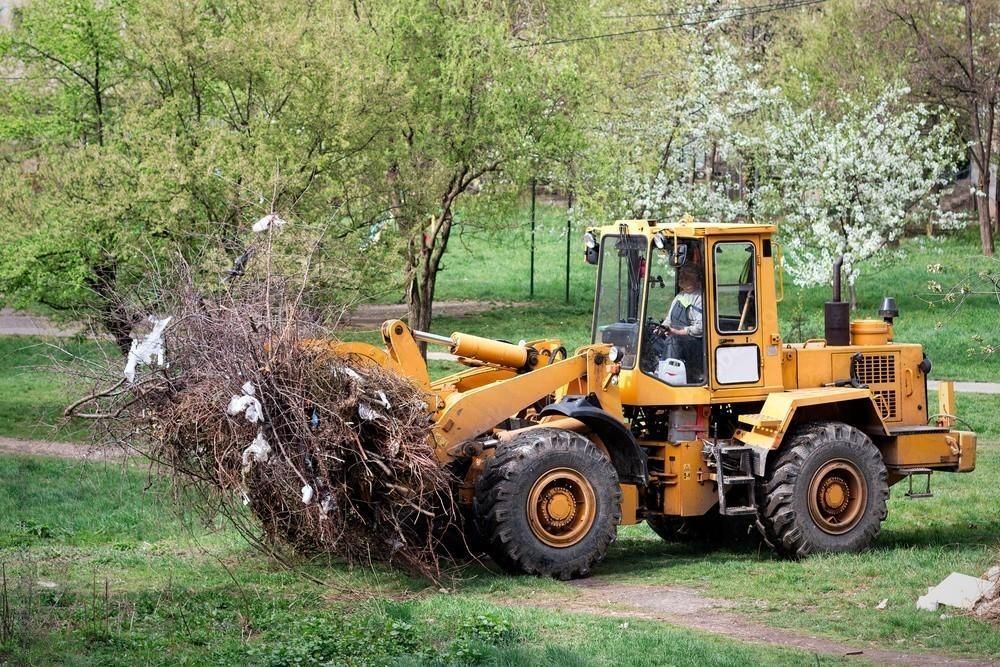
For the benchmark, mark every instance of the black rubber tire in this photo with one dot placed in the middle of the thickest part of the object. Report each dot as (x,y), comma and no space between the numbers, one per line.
(783,515)
(501,500)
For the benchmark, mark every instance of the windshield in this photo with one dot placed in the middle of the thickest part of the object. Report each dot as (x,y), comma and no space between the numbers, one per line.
(673,346)
(619,294)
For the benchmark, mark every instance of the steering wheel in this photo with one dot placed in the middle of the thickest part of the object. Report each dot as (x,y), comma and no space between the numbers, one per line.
(655,328)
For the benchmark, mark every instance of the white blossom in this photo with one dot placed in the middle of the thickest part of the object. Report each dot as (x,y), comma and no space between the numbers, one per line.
(849,185)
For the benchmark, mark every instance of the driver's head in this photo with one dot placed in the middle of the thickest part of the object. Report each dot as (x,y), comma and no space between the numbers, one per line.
(689,278)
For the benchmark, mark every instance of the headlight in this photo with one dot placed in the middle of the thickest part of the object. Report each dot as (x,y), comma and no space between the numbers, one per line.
(589,240)
(614,354)
(660,241)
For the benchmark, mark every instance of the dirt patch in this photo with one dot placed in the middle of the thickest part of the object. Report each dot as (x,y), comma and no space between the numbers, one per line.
(686,607)
(62,450)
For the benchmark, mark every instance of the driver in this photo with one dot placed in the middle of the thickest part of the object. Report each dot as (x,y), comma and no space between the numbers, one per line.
(685,322)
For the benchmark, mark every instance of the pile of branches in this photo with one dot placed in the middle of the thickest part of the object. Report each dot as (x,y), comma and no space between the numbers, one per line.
(236,394)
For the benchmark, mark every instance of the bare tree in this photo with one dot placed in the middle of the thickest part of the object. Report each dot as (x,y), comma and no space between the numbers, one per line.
(954,59)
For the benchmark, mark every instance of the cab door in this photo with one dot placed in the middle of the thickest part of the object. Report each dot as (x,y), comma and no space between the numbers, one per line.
(735,336)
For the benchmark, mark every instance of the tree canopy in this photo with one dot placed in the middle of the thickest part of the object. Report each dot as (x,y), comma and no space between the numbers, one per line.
(134,130)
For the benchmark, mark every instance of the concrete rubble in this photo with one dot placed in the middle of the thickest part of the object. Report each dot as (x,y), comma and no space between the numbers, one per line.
(964,592)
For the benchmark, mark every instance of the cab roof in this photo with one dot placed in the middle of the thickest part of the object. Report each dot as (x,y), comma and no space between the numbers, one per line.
(688,226)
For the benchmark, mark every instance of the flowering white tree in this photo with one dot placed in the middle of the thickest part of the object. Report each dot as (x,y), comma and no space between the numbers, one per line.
(674,137)
(848,186)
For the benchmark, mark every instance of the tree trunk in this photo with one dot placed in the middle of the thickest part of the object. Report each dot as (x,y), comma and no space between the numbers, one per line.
(112,314)
(983,208)
(852,295)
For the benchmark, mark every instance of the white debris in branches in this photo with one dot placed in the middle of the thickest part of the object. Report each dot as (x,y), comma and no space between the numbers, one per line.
(369,413)
(258,450)
(351,373)
(247,404)
(148,350)
(307,494)
(270,221)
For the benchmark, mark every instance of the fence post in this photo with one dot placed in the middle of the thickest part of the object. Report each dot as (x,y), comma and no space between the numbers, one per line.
(531,289)
(569,232)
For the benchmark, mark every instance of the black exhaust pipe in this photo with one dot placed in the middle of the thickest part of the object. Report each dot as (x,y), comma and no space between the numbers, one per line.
(837,313)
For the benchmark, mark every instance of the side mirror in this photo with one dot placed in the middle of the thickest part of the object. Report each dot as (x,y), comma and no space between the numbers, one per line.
(591,248)
(678,256)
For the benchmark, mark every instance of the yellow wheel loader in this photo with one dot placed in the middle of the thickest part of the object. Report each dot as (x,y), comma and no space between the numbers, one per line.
(687,406)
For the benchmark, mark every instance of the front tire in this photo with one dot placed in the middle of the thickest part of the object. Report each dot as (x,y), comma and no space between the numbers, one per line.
(825,493)
(548,503)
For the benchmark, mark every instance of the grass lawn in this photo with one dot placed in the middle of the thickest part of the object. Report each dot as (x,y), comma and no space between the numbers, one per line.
(33,392)
(100,572)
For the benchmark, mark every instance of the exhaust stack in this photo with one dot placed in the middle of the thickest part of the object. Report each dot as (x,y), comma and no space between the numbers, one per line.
(837,313)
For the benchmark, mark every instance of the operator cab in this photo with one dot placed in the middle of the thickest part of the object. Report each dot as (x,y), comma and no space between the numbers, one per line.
(663,288)
(679,304)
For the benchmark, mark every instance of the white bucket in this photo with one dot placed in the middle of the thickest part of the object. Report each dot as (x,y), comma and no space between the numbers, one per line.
(672,371)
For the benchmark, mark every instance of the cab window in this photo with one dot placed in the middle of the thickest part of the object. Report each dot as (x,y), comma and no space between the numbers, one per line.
(735,287)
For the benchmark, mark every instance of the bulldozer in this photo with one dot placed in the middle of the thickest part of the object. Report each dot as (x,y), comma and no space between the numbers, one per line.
(686,409)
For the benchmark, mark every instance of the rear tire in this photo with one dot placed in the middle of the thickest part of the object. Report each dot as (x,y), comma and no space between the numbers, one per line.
(825,493)
(548,503)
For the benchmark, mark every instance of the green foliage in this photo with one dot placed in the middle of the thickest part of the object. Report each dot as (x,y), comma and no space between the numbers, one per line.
(322,640)
(827,53)
(203,117)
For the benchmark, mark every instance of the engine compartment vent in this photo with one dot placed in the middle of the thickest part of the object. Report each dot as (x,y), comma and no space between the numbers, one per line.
(886,402)
(874,369)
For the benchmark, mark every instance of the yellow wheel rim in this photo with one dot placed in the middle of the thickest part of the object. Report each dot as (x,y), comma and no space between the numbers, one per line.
(561,507)
(838,495)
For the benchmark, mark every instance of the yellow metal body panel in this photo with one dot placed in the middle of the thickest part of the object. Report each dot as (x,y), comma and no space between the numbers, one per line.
(630,504)
(891,372)
(467,414)
(967,450)
(921,450)
(403,349)
(946,404)
(365,353)
(768,428)
(688,489)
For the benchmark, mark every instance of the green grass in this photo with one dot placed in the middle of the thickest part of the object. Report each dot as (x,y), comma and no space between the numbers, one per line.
(180,592)
(922,541)
(114,578)
(34,391)
(49,501)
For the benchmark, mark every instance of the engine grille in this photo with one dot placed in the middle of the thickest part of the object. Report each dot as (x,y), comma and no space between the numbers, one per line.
(877,369)
(886,402)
